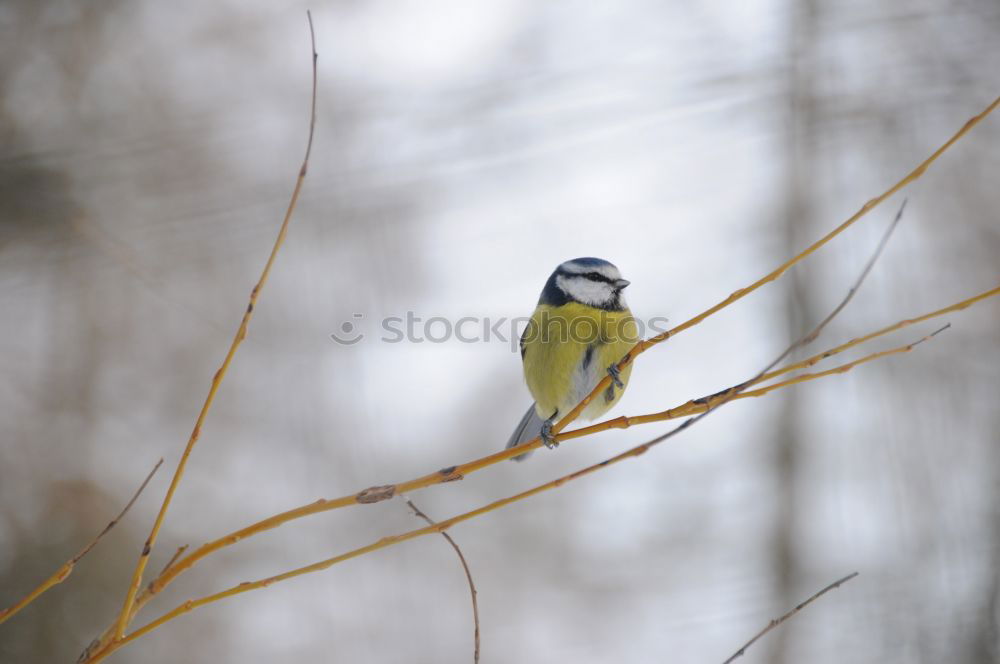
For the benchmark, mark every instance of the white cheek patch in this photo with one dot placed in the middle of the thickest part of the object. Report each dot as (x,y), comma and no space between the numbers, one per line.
(594,293)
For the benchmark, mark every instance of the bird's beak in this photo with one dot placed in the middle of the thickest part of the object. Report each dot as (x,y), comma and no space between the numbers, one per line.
(621,283)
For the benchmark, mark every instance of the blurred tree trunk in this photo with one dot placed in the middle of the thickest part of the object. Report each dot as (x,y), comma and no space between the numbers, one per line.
(801,125)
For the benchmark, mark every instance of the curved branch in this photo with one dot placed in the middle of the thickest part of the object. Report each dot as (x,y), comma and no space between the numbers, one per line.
(241,332)
(453,473)
(439,527)
(691,407)
(643,346)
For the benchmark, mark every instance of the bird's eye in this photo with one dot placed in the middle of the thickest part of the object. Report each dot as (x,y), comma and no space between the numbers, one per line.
(595,276)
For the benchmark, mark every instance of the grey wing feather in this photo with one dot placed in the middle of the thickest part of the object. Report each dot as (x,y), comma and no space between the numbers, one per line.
(529,427)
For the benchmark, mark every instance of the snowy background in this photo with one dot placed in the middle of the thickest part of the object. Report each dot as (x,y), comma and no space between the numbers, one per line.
(462,151)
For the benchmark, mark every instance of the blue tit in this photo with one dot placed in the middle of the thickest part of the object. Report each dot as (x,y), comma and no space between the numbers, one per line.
(579,331)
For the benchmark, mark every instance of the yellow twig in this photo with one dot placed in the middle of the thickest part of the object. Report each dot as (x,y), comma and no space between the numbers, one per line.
(696,406)
(241,332)
(958,306)
(173,559)
(692,407)
(441,526)
(378,493)
(645,345)
(383,492)
(63,572)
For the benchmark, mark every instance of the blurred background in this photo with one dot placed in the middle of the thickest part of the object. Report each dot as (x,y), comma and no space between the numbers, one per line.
(147,152)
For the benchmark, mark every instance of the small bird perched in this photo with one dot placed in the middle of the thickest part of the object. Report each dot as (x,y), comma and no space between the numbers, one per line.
(579,331)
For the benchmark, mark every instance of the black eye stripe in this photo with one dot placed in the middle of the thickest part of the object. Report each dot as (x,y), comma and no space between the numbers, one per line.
(597,276)
(591,276)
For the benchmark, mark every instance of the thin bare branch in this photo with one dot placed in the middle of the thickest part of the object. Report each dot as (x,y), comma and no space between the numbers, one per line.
(809,338)
(710,404)
(383,492)
(814,334)
(442,526)
(777,621)
(468,576)
(622,422)
(177,554)
(458,472)
(63,572)
(127,608)
(698,405)
(386,542)
(118,518)
(645,345)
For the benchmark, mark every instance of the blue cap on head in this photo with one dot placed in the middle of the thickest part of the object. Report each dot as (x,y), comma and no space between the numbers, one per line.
(589,261)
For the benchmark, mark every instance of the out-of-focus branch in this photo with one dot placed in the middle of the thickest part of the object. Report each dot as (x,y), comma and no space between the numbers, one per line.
(63,572)
(777,621)
(468,576)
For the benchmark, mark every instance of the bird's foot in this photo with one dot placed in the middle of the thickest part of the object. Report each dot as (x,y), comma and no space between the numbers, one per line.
(616,376)
(548,439)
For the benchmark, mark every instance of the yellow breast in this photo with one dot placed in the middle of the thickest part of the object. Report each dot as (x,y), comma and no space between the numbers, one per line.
(567,349)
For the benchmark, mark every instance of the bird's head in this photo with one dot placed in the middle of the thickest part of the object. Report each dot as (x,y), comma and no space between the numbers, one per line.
(591,281)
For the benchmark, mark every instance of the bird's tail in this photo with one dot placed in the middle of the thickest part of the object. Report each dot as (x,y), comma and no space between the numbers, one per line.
(529,427)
